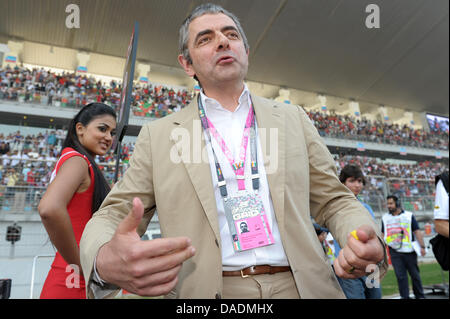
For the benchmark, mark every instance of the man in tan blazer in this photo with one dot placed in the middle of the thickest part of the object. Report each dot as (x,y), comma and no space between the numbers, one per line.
(173,170)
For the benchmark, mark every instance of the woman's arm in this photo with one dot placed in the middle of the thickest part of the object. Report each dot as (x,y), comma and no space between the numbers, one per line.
(72,176)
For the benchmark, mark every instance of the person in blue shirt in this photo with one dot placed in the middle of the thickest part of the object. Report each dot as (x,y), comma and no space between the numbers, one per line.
(353,177)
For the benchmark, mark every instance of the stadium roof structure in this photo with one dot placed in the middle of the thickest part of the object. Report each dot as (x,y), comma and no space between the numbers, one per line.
(321,46)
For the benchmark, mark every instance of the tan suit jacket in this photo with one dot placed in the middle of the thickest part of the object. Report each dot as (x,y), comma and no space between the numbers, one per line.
(304,184)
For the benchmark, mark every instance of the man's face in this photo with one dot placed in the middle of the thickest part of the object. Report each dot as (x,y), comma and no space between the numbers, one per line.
(217,51)
(354,184)
(391,205)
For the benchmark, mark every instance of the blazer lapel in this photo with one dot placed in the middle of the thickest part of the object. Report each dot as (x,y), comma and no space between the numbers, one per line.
(198,170)
(271,130)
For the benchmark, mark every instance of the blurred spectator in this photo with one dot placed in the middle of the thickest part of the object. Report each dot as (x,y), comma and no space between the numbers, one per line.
(4,147)
(349,127)
(51,139)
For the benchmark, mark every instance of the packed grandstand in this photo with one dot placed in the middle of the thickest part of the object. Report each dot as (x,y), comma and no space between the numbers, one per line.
(27,160)
(73,90)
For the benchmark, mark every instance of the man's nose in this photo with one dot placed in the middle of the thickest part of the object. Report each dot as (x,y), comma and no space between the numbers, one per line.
(223,42)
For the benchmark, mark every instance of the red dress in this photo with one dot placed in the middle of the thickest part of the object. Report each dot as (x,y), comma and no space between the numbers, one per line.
(62,281)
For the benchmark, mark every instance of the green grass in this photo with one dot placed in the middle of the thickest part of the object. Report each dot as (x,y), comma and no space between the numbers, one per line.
(430,273)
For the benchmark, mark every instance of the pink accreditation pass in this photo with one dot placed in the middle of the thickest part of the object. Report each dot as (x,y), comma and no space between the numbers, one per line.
(247,221)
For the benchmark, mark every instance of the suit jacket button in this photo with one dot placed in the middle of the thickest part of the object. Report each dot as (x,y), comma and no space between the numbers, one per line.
(218,296)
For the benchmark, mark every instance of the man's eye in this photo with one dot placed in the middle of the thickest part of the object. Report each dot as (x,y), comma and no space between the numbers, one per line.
(203,40)
(233,35)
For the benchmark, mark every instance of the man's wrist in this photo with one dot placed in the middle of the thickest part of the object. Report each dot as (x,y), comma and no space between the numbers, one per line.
(98,262)
(97,280)
(96,277)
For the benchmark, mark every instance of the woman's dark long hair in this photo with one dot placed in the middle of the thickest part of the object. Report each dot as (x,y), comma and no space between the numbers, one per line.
(85,116)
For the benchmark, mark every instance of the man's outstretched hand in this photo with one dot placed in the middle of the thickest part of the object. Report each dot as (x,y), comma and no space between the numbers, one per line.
(142,267)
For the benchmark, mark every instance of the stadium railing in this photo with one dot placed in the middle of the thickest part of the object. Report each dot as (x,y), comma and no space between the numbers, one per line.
(416,195)
(24,199)
(33,271)
(138,111)
(20,199)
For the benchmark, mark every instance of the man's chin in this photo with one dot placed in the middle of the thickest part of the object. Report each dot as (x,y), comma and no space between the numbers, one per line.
(230,72)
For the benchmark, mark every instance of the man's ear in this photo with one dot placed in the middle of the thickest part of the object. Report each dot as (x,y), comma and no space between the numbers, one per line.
(187,67)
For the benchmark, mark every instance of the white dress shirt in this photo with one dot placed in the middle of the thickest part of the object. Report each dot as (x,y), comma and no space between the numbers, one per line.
(230,126)
(441,202)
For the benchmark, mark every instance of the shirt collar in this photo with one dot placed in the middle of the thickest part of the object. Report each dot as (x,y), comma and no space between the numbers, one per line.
(401,212)
(210,103)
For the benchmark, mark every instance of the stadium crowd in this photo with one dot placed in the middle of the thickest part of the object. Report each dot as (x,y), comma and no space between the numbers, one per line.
(74,90)
(350,127)
(376,167)
(28,160)
(414,182)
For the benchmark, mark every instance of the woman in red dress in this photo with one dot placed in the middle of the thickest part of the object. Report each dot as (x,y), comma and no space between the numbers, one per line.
(76,190)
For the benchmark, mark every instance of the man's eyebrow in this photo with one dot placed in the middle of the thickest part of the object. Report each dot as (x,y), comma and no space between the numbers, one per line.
(208,31)
(229,27)
(202,33)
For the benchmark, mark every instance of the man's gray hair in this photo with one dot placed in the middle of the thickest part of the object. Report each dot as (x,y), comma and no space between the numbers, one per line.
(206,8)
